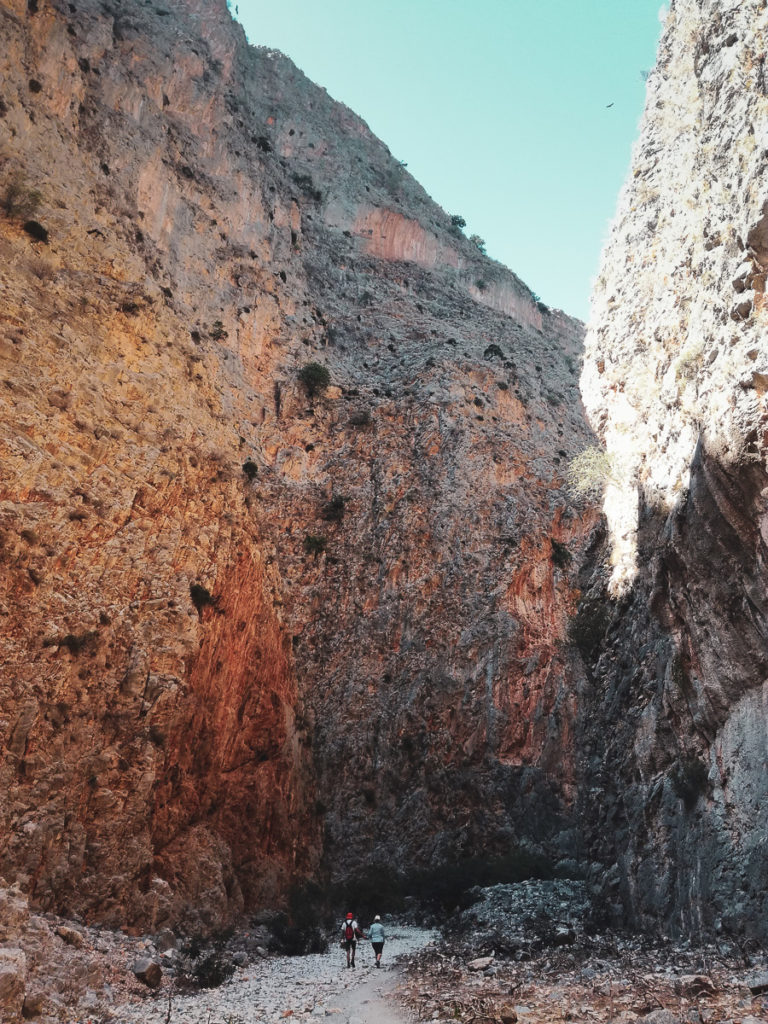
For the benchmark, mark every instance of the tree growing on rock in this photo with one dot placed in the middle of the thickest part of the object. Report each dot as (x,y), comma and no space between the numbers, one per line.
(315,377)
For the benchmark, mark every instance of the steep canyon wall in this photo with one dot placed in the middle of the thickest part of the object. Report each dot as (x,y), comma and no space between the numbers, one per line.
(676,366)
(240,621)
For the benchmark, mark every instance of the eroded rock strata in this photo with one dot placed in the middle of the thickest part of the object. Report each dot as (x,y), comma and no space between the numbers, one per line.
(241,622)
(675,381)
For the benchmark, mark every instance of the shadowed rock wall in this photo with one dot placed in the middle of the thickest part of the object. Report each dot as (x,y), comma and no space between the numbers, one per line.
(674,381)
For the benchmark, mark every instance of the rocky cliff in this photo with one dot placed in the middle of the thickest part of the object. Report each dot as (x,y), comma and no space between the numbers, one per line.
(675,378)
(245,617)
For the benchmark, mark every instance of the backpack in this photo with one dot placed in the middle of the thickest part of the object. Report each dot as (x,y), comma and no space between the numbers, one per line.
(349,932)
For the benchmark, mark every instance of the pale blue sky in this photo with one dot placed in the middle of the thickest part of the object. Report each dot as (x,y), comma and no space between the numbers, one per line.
(499,107)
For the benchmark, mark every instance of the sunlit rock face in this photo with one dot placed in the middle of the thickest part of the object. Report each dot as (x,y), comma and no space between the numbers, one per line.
(240,622)
(674,381)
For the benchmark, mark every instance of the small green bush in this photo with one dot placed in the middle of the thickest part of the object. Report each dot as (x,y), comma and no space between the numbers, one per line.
(333,511)
(314,545)
(217,331)
(74,642)
(476,240)
(18,200)
(201,596)
(493,350)
(457,221)
(36,230)
(315,377)
(305,183)
(250,469)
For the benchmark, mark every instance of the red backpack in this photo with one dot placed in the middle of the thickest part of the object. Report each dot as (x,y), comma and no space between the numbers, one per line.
(349,932)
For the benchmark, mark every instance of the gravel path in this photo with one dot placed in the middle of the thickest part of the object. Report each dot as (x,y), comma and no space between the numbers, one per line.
(281,988)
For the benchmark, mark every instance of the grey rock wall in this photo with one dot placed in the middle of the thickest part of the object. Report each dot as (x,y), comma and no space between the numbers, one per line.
(674,382)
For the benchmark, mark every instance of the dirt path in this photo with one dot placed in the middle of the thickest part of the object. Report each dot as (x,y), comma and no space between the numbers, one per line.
(279,990)
(372,1001)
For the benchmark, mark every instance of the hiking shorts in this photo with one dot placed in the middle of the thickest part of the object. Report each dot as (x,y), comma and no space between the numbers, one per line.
(350,943)
(377,947)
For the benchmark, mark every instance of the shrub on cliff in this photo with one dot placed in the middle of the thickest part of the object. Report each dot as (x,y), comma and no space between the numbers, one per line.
(561,556)
(201,597)
(36,230)
(333,511)
(588,627)
(217,331)
(18,200)
(314,545)
(690,780)
(590,472)
(315,377)
(457,224)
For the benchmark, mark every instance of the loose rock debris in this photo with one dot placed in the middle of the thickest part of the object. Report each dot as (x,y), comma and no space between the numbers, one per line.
(527,954)
(521,954)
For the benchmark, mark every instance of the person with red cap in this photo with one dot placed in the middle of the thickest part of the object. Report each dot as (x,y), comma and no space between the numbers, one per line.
(350,933)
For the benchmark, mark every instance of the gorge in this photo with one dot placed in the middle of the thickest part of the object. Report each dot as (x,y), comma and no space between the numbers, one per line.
(251,607)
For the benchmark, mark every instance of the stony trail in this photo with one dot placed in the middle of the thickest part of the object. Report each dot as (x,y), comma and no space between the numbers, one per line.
(277,989)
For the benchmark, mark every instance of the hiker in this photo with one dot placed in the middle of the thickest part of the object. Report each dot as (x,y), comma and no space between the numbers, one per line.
(350,933)
(376,935)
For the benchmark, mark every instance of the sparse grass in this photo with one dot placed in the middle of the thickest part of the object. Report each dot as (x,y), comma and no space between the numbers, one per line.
(689,362)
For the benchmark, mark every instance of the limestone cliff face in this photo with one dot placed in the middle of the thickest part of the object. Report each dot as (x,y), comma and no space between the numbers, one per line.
(240,622)
(675,381)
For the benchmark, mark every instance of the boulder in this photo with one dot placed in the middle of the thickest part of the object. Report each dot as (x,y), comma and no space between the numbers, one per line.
(34,1003)
(480,963)
(758,982)
(661,1017)
(165,940)
(691,985)
(14,912)
(149,972)
(71,936)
